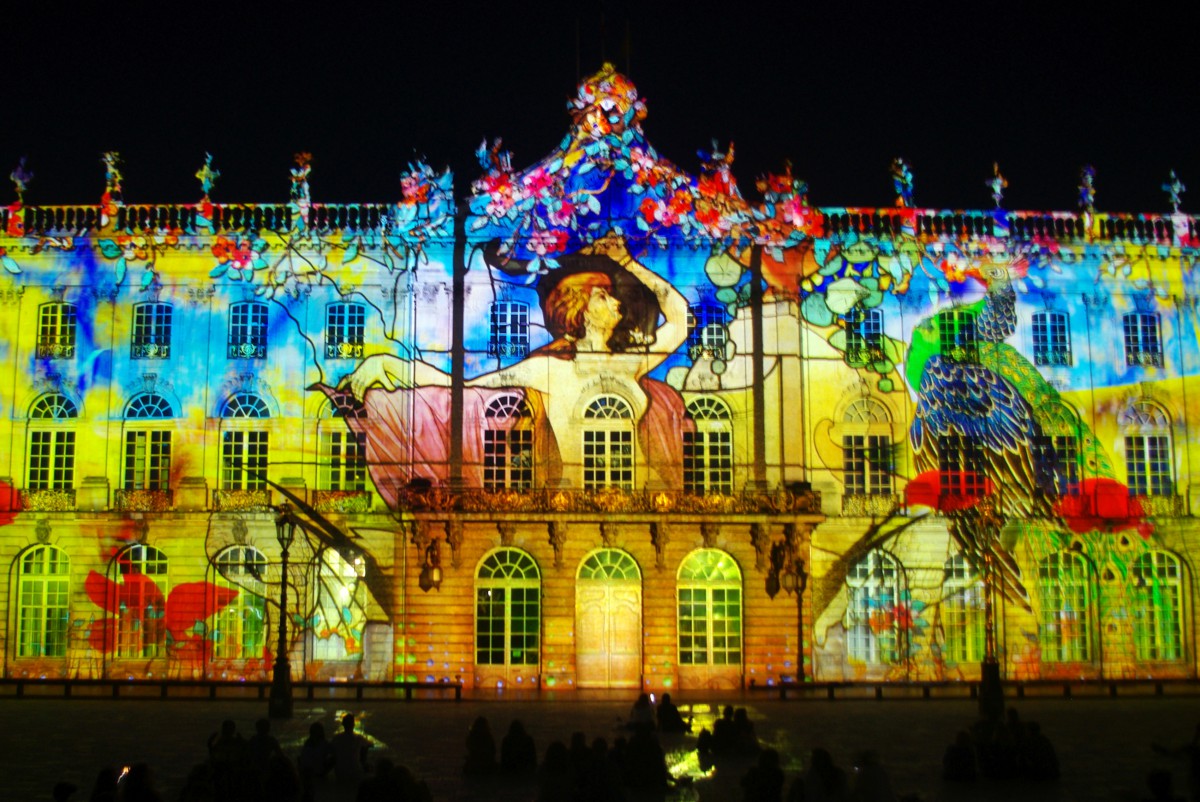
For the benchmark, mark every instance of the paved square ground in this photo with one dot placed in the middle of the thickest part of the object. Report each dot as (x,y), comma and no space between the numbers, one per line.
(1103,744)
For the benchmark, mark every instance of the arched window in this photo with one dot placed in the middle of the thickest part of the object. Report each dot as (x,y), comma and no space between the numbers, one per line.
(709,587)
(876,608)
(867,449)
(1065,620)
(151,331)
(508,444)
(51,443)
(343,464)
(962,611)
(239,627)
(141,602)
(1148,452)
(244,450)
(864,336)
(44,580)
(341,615)
(56,331)
(608,444)
(345,330)
(508,609)
(248,330)
(147,463)
(508,329)
(708,448)
(707,332)
(1051,338)
(1157,606)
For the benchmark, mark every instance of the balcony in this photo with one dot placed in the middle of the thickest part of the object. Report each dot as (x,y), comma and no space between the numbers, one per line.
(343,501)
(1160,506)
(56,348)
(229,500)
(150,348)
(1052,357)
(1149,359)
(249,348)
(870,505)
(343,350)
(47,500)
(139,500)
(421,497)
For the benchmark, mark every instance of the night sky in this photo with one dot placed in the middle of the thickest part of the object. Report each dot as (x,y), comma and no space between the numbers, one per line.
(838,88)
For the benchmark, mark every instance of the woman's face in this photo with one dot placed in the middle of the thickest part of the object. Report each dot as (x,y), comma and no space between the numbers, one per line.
(603,310)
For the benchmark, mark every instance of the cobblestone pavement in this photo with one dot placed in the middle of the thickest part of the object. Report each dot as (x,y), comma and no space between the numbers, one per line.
(1103,743)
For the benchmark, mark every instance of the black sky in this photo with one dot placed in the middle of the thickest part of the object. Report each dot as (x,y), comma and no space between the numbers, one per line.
(837,87)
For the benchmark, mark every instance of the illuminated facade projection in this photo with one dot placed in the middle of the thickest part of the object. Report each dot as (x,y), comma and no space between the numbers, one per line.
(602,423)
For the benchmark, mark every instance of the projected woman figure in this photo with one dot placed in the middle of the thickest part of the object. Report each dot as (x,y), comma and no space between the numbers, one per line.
(603,310)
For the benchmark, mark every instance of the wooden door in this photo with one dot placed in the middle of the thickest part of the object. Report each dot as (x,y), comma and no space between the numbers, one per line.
(608,634)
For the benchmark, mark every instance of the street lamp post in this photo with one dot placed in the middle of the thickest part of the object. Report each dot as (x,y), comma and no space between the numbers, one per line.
(991,692)
(279,704)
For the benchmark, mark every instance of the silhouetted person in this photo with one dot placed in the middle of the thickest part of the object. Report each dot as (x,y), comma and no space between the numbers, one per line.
(704,749)
(554,781)
(645,764)
(1191,751)
(958,763)
(1161,786)
(315,761)
(669,720)
(744,739)
(105,787)
(518,755)
(349,753)
(823,781)
(280,782)
(63,791)
(641,715)
(481,750)
(580,756)
(724,733)
(764,781)
(1039,758)
(262,745)
(228,757)
(871,781)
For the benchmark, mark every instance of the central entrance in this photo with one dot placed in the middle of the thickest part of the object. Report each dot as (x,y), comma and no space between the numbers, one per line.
(608,621)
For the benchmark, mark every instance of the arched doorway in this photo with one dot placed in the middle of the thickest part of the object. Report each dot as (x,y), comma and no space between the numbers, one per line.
(608,621)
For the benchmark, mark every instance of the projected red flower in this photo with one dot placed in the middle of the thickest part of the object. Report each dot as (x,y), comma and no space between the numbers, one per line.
(948,491)
(1103,505)
(179,617)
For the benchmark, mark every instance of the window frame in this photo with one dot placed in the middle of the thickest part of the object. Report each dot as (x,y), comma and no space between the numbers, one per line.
(246,615)
(510,594)
(345,330)
(708,448)
(708,335)
(247,333)
(964,632)
(150,330)
(711,580)
(51,443)
(1052,339)
(508,329)
(875,582)
(508,444)
(958,337)
(864,336)
(1065,634)
(58,323)
(607,444)
(129,633)
(244,445)
(1142,338)
(43,603)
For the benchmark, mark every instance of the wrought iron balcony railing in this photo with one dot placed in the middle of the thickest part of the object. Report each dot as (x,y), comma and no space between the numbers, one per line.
(874,505)
(225,500)
(420,497)
(42,500)
(56,347)
(140,500)
(346,501)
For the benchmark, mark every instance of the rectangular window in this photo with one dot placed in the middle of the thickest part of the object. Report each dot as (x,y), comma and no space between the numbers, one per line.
(524,618)
(1143,345)
(1148,465)
(864,336)
(51,460)
(708,461)
(489,626)
(345,327)
(607,459)
(56,331)
(1057,463)
(42,627)
(508,329)
(710,626)
(1065,620)
(147,460)
(1051,339)
(507,459)
(867,462)
(956,336)
(961,467)
(1157,614)
(707,334)
(344,466)
(248,331)
(151,331)
(243,460)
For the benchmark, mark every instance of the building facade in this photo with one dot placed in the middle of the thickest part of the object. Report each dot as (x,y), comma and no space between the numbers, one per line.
(597,423)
